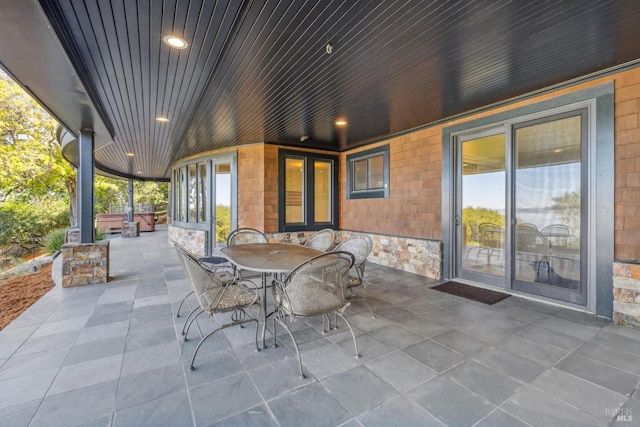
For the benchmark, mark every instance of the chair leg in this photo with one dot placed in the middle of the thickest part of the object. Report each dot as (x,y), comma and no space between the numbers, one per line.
(186,320)
(373,315)
(275,334)
(295,344)
(186,332)
(182,302)
(325,319)
(353,295)
(353,335)
(228,325)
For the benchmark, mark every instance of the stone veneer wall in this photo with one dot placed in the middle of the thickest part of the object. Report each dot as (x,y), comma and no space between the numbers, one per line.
(419,256)
(130,229)
(85,263)
(626,294)
(194,241)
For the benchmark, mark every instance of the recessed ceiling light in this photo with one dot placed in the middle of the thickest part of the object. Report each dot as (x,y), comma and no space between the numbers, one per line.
(139,172)
(176,42)
(341,122)
(162,119)
(557,150)
(130,154)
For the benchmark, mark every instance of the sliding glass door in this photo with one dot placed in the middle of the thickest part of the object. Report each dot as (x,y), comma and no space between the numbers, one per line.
(481,217)
(549,213)
(521,206)
(221,206)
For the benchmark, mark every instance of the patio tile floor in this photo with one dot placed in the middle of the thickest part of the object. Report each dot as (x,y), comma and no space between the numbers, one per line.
(113,355)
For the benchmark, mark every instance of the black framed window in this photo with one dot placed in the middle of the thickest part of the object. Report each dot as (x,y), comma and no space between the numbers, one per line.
(307,191)
(368,173)
(190,192)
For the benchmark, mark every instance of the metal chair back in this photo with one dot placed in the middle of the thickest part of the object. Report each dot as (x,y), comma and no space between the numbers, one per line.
(246,235)
(321,240)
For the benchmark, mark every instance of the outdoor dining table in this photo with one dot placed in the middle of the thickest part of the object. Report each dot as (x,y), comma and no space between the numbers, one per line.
(268,258)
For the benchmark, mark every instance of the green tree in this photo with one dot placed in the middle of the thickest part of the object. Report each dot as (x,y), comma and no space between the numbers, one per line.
(568,207)
(108,191)
(223,222)
(479,216)
(155,193)
(32,169)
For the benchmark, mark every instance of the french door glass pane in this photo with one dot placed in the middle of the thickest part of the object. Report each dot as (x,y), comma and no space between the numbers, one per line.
(180,195)
(223,201)
(294,190)
(483,205)
(376,172)
(360,174)
(192,195)
(202,191)
(322,191)
(547,203)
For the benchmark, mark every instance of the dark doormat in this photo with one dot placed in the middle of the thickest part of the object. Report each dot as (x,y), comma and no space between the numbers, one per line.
(471,292)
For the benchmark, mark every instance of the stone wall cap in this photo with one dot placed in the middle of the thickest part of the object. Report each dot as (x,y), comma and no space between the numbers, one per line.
(72,245)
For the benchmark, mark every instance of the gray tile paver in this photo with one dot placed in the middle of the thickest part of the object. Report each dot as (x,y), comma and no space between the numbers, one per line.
(457,359)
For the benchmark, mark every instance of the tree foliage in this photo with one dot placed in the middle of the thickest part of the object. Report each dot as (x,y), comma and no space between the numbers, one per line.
(35,180)
(479,216)
(115,191)
(20,222)
(568,207)
(223,222)
(31,163)
(37,185)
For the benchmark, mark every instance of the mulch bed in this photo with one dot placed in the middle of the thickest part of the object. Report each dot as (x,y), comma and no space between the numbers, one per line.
(18,293)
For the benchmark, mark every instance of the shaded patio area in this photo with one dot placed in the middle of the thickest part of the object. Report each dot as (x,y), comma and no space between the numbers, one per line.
(112,354)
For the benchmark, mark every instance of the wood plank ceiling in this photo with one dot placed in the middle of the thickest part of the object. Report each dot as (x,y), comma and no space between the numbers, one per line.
(258,71)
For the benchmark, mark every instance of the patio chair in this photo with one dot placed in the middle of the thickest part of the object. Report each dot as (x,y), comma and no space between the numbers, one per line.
(218,296)
(225,275)
(491,240)
(242,236)
(475,238)
(532,247)
(321,240)
(360,246)
(314,288)
(558,235)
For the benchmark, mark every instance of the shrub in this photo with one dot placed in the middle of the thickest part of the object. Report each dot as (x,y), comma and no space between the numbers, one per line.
(100,234)
(55,240)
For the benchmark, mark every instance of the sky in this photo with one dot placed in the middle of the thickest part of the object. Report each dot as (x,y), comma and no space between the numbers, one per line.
(535,186)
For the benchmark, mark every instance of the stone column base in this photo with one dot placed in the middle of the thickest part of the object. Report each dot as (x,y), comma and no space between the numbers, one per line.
(85,263)
(626,294)
(130,229)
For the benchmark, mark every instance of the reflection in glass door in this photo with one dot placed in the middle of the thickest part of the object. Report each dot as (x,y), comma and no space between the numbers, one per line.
(548,200)
(481,208)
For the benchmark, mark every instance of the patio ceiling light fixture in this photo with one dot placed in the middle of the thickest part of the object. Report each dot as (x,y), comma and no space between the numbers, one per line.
(341,122)
(176,42)
(162,119)
(130,154)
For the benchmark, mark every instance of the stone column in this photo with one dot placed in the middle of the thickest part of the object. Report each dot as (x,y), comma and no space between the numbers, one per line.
(85,263)
(626,294)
